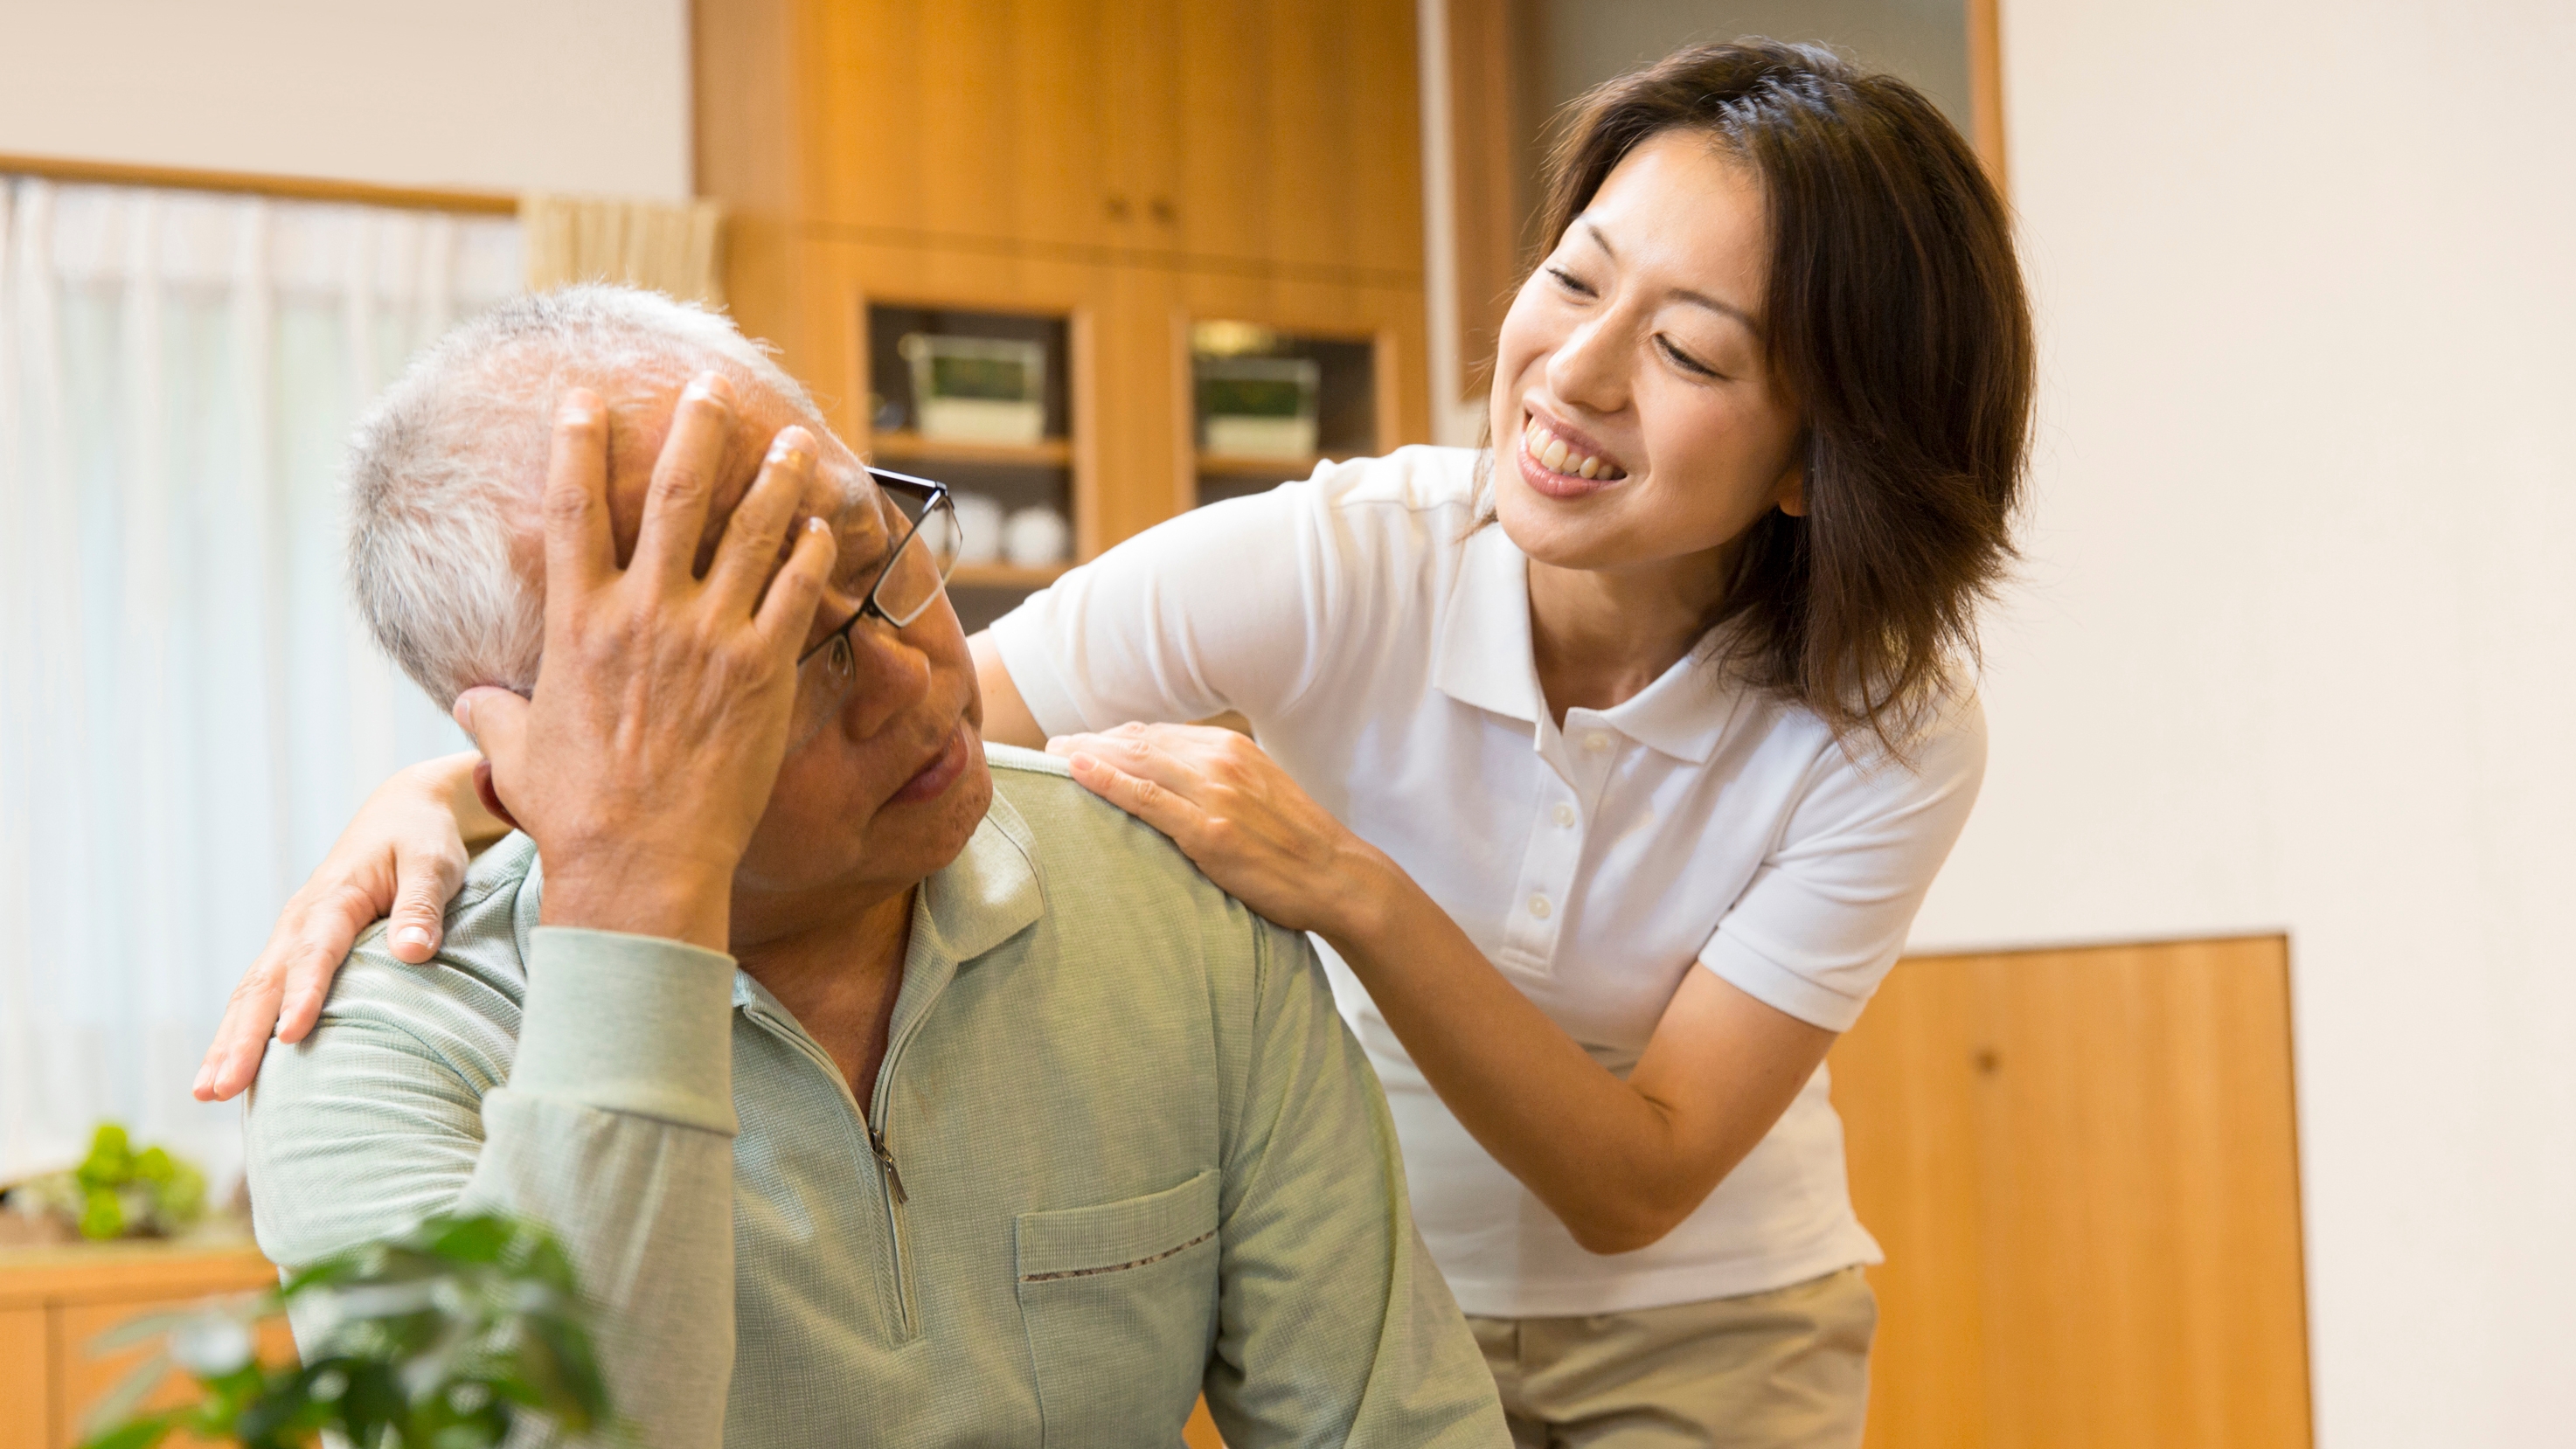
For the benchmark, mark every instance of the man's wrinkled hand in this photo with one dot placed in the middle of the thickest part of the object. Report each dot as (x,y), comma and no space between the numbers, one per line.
(647,752)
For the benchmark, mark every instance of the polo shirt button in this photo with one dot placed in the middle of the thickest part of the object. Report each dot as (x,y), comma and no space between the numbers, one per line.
(1539,907)
(1595,742)
(1565,815)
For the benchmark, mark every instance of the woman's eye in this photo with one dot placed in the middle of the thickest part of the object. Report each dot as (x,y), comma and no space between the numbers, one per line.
(1569,281)
(1684,360)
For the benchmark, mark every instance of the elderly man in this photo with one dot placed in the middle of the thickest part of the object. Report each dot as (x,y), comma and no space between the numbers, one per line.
(879,1097)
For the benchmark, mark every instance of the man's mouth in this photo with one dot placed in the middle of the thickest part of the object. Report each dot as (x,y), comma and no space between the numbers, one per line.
(933,779)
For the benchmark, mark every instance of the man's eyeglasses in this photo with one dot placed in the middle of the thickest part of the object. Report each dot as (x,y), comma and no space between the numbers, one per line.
(915,569)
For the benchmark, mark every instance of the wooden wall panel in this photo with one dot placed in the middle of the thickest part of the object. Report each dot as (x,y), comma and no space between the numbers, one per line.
(2083,1166)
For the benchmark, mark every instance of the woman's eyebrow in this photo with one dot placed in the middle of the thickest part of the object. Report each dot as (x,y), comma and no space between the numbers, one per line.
(1679,294)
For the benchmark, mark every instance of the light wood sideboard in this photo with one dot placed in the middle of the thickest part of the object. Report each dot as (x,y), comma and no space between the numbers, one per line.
(55,1302)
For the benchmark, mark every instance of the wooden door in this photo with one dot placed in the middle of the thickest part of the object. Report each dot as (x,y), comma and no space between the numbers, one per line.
(2083,1166)
(1302,141)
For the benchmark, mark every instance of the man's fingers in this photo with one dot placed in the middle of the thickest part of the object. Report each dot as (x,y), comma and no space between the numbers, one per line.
(581,548)
(498,721)
(787,611)
(684,479)
(748,553)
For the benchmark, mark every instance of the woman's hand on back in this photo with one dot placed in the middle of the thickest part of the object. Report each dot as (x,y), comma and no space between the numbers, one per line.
(1235,813)
(403,857)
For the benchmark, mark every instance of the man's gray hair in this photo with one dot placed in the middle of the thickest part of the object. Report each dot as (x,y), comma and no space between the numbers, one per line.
(445,470)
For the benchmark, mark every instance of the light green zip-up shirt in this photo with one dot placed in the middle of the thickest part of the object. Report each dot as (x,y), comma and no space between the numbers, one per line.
(1125,1151)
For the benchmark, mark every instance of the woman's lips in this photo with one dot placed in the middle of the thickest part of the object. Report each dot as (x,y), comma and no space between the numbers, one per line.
(1545,480)
(935,778)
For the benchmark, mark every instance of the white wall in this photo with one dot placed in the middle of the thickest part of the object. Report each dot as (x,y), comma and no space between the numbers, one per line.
(2294,646)
(508,95)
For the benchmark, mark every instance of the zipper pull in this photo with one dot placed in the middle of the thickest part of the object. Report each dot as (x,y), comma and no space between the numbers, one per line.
(885,1160)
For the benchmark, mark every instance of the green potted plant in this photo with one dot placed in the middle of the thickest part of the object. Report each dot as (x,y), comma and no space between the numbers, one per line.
(117,1191)
(442,1338)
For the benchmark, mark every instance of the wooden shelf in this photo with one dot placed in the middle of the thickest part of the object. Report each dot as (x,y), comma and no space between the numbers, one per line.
(96,1272)
(906,446)
(1005,576)
(1234,465)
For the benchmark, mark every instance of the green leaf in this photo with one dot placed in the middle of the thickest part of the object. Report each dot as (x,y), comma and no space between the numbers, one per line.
(140,1433)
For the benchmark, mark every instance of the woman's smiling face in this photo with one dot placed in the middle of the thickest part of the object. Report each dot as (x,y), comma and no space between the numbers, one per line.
(1635,354)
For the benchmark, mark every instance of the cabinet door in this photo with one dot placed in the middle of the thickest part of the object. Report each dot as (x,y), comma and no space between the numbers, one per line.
(26,1386)
(1301,140)
(87,1378)
(983,121)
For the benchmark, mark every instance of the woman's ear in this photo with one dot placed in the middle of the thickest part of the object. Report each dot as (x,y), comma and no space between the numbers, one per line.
(1793,491)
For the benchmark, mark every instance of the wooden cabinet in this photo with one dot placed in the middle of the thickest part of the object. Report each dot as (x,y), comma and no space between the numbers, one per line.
(1299,136)
(1127,166)
(55,1302)
(2083,1167)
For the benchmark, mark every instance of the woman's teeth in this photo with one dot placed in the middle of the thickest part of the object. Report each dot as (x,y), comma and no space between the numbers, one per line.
(1556,457)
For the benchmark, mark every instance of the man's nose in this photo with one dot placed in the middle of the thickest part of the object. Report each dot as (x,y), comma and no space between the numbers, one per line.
(887,677)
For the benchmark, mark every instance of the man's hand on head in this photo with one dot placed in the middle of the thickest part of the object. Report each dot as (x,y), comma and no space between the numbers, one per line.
(647,753)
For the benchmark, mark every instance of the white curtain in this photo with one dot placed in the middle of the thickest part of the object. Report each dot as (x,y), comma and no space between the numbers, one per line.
(188,708)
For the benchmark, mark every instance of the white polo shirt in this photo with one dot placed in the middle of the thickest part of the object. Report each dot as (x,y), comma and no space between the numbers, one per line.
(1380,645)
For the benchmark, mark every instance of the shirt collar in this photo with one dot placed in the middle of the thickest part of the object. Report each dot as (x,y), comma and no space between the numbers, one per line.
(987,895)
(1485,660)
(1685,712)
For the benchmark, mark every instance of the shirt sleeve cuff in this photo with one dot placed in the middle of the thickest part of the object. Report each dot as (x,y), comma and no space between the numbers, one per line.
(629,1024)
(1020,635)
(1778,987)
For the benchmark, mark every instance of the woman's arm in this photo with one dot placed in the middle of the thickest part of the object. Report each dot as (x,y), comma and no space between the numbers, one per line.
(1007,720)
(1621,1163)
(403,856)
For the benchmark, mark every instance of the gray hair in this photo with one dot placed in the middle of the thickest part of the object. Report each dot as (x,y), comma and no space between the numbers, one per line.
(445,469)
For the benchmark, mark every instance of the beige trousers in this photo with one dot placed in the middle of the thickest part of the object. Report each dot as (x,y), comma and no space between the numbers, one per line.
(1787,1369)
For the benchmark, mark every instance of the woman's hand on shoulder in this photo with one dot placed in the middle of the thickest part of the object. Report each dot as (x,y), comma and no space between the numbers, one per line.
(1235,813)
(404,857)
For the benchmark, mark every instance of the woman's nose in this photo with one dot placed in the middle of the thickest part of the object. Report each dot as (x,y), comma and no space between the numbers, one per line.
(1589,368)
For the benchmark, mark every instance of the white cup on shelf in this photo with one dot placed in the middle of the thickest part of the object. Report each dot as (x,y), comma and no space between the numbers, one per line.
(1035,538)
(979,527)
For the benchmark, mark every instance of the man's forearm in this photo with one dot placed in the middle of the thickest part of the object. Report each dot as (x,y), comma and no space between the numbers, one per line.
(616,1131)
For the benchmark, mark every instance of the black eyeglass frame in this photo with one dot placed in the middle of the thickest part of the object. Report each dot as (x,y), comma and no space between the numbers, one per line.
(934,498)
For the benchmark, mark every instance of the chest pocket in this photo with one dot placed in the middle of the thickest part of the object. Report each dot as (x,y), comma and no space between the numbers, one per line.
(1120,1301)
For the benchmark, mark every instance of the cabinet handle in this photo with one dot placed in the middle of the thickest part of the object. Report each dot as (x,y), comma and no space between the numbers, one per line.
(1117,207)
(1164,211)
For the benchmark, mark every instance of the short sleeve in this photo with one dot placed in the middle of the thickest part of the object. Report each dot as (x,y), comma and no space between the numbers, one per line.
(1227,607)
(1827,913)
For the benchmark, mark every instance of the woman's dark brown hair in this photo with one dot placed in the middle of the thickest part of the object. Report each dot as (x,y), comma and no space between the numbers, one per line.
(1896,320)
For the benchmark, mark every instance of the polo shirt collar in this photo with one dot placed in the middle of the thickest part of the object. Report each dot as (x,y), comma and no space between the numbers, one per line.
(1485,660)
(987,895)
(1685,712)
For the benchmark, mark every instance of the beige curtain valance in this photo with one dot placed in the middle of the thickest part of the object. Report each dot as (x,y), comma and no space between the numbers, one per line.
(669,248)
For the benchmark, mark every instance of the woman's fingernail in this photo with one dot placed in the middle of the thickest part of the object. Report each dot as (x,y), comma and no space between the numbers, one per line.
(411,936)
(202,1074)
